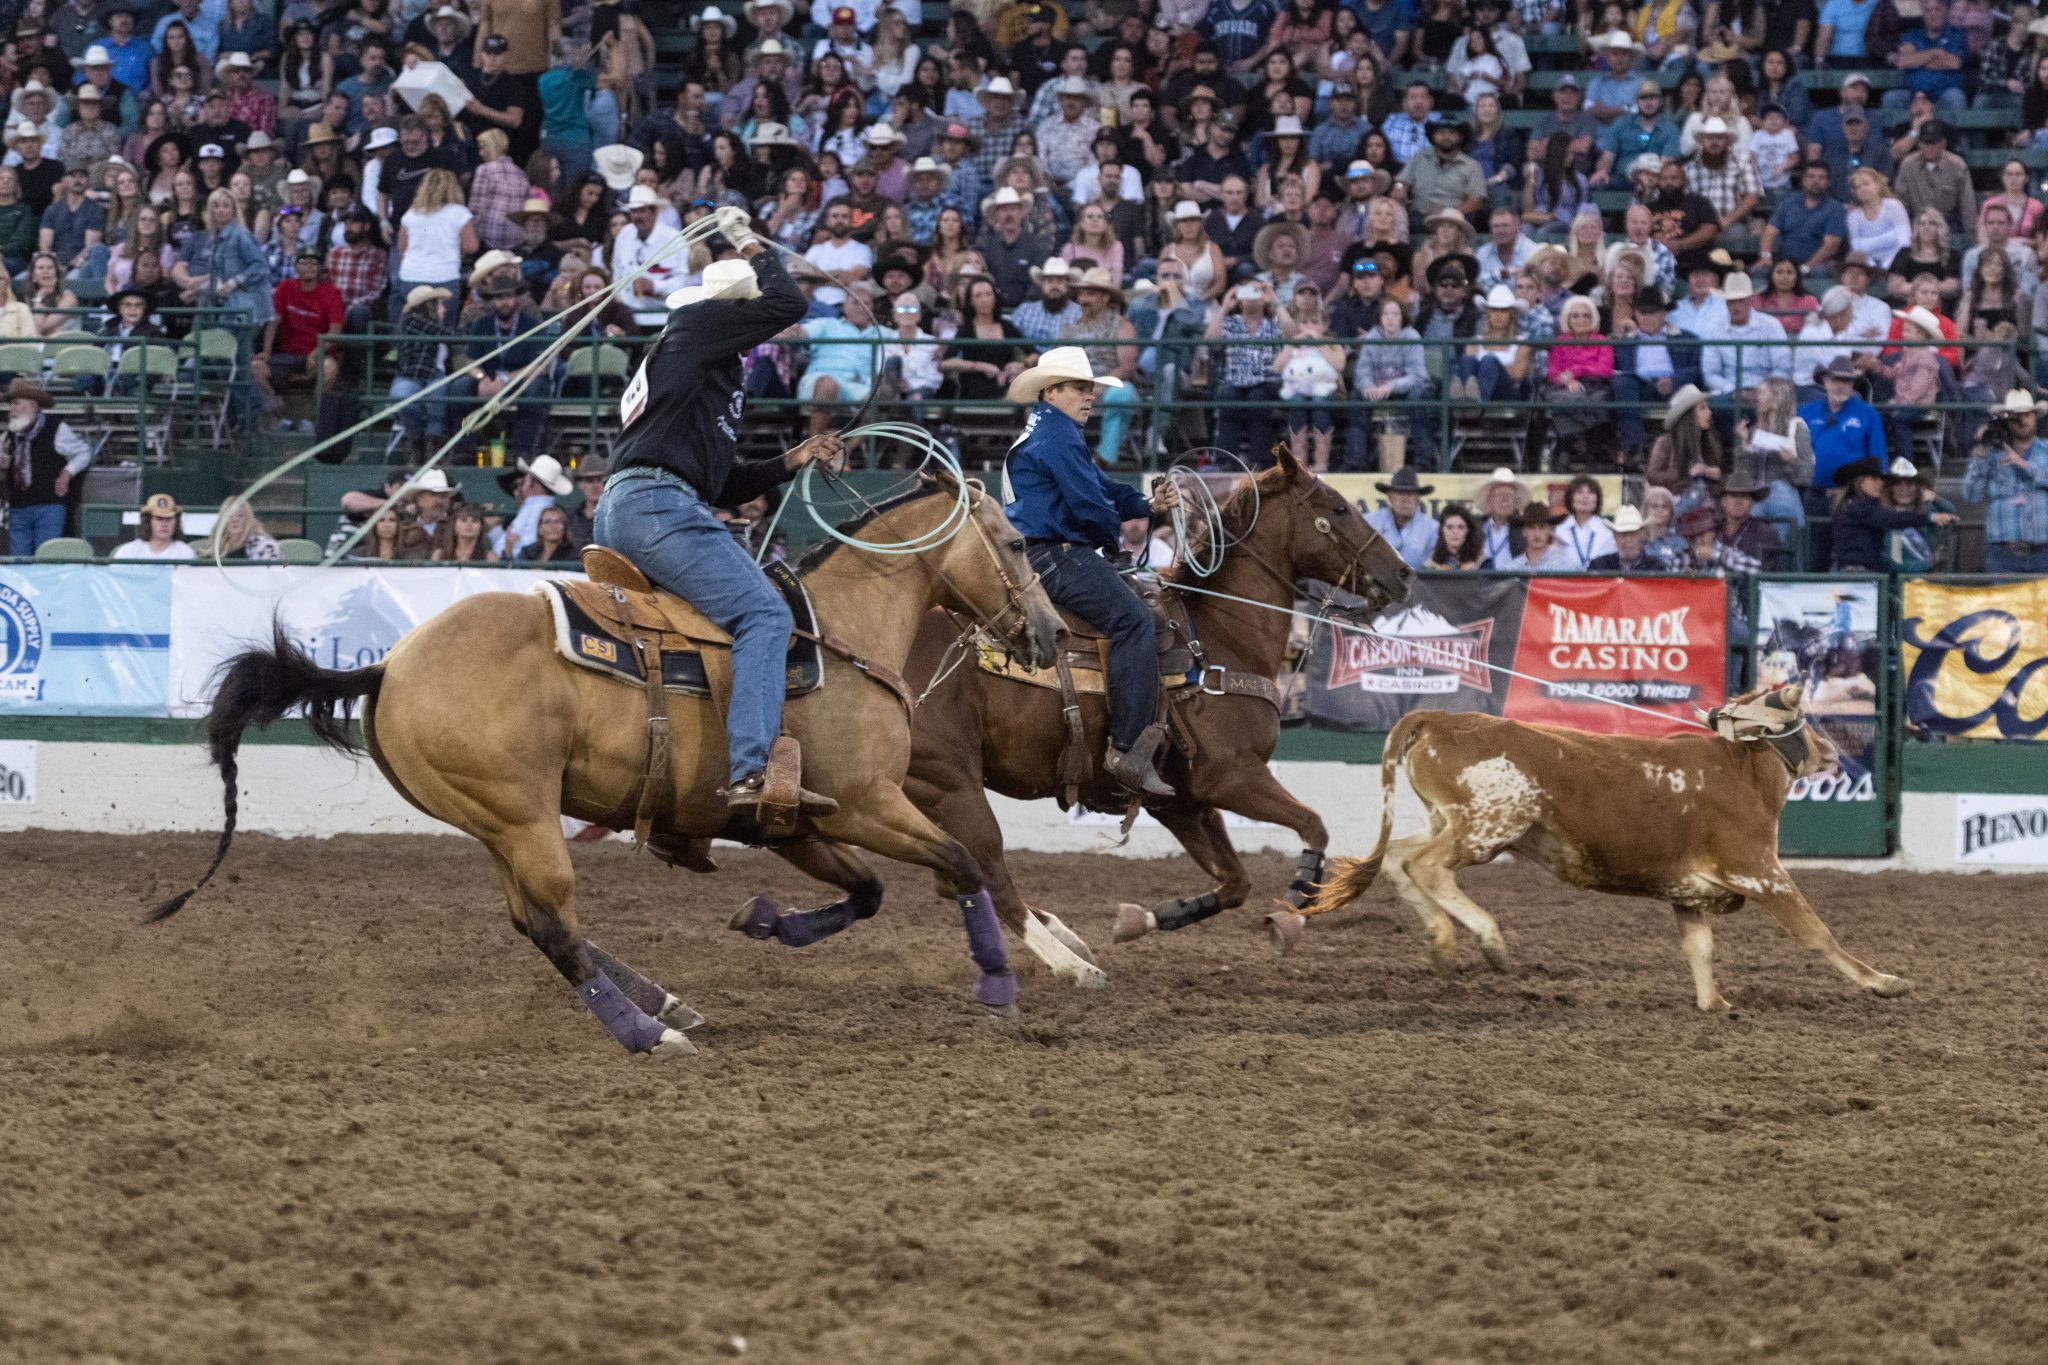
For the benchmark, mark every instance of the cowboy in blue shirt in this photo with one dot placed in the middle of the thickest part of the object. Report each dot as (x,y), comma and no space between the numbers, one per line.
(1845,429)
(1072,514)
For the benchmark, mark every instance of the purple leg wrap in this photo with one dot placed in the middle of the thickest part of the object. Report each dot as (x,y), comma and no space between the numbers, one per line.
(984,933)
(624,1019)
(801,928)
(758,920)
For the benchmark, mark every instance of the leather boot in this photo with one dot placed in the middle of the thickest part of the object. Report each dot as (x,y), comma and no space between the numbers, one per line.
(1133,766)
(744,798)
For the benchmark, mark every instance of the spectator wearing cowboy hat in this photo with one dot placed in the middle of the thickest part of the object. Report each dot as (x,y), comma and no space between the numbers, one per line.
(591,472)
(1695,526)
(156,534)
(130,322)
(770,20)
(488,374)
(1445,178)
(429,528)
(1541,552)
(1757,349)
(534,485)
(1042,319)
(1278,251)
(247,103)
(1688,459)
(1401,522)
(306,308)
(1862,519)
(419,364)
(638,244)
(1631,553)
(1906,489)
(39,458)
(1846,431)
(1072,515)
(1747,545)
(2008,473)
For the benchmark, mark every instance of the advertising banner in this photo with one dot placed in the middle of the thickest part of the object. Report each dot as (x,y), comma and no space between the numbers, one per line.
(344,617)
(1432,653)
(83,639)
(2007,830)
(1655,643)
(1464,487)
(1826,636)
(1974,657)
(17,772)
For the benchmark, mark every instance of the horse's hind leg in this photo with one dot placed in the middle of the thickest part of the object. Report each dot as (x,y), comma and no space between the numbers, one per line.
(835,864)
(540,884)
(1201,832)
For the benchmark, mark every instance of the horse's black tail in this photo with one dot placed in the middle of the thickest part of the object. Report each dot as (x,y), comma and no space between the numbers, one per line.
(258,687)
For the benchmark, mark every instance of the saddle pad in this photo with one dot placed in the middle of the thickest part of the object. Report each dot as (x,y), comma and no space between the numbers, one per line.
(1083,664)
(594,623)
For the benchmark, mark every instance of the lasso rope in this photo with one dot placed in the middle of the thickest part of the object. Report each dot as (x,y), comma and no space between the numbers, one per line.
(1195,499)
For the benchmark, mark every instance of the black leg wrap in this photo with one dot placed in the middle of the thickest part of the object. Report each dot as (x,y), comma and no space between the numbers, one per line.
(1179,914)
(1308,874)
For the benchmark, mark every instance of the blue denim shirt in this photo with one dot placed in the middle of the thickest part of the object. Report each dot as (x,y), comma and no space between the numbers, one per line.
(232,254)
(1062,494)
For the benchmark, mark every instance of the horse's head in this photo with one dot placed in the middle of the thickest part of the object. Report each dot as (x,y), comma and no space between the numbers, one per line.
(1306,529)
(981,570)
(1771,715)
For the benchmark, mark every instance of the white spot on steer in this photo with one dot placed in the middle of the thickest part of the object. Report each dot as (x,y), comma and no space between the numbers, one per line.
(1677,780)
(1504,802)
(1660,776)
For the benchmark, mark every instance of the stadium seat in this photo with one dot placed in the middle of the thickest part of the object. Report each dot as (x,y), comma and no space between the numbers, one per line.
(76,362)
(298,551)
(21,358)
(64,549)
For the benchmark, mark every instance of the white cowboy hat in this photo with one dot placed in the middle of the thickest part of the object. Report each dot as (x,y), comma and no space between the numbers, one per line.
(1738,287)
(1287,125)
(233,61)
(787,7)
(258,140)
(714,15)
(450,12)
(298,176)
(1062,364)
(1924,320)
(926,165)
(1502,296)
(1682,402)
(433,481)
(90,94)
(380,138)
(95,55)
(422,293)
(772,135)
(643,197)
(1627,519)
(488,264)
(771,47)
(1186,209)
(1502,474)
(1649,163)
(1618,40)
(2019,400)
(1714,127)
(1056,266)
(727,279)
(1095,277)
(548,470)
(1073,85)
(618,164)
(1003,196)
(881,135)
(999,86)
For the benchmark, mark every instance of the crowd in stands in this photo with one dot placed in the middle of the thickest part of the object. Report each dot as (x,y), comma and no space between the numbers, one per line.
(1735,250)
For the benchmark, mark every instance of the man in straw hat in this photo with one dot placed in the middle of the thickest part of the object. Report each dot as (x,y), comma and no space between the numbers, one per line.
(996,126)
(39,458)
(2009,474)
(156,534)
(1631,553)
(1072,515)
(677,460)
(1278,251)
(1759,351)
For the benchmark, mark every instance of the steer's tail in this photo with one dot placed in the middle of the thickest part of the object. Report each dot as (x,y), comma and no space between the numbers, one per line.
(259,687)
(1350,878)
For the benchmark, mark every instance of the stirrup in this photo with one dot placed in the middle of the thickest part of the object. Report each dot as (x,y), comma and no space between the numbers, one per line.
(744,797)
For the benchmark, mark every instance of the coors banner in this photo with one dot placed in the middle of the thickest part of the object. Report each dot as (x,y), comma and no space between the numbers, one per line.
(1659,643)
(1430,653)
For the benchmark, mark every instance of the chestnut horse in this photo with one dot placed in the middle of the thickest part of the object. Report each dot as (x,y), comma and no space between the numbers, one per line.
(977,729)
(478,721)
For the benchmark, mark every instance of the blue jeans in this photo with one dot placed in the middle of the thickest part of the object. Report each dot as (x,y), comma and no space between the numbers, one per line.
(659,522)
(1999,557)
(430,417)
(1951,101)
(28,527)
(1077,578)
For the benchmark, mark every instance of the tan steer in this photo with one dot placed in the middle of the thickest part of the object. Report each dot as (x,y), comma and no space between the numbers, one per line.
(1690,819)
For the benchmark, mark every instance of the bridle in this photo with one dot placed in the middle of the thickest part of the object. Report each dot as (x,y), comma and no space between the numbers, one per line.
(1323,525)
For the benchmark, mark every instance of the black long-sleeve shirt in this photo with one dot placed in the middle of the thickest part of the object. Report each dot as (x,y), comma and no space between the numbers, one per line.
(689,405)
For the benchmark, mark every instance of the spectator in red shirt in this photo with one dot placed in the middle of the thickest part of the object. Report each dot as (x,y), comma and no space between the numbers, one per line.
(306,309)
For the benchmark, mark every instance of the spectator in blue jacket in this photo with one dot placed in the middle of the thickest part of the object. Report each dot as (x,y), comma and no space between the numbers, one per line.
(1845,429)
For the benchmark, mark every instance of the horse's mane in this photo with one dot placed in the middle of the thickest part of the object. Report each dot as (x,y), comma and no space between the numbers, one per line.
(822,551)
(1240,509)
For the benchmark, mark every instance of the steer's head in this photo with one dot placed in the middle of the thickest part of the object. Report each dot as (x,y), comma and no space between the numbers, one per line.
(1772,716)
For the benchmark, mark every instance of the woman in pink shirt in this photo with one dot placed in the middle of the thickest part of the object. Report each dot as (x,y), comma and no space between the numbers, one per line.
(1580,378)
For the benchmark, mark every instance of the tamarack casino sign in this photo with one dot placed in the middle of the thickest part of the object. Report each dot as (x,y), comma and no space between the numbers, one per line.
(1654,643)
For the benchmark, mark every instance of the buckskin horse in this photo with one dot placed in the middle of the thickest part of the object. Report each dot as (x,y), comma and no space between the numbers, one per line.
(979,728)
(478,720)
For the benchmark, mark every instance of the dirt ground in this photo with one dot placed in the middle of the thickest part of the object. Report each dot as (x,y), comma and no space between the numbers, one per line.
(336,1111)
